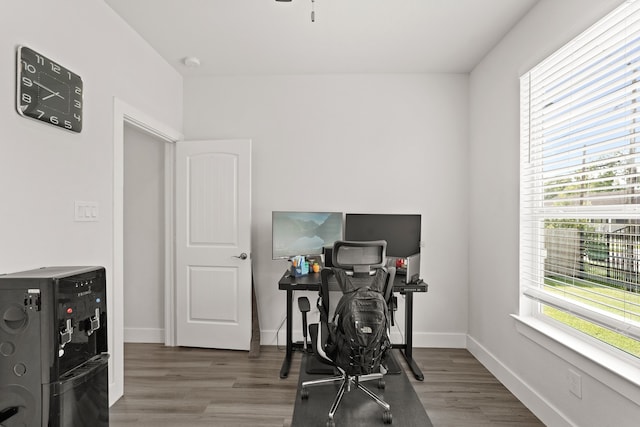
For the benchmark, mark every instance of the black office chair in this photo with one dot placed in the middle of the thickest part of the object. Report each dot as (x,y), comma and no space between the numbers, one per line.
(355,265)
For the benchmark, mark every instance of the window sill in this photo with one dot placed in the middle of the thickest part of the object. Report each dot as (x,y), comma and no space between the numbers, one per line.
(618,373)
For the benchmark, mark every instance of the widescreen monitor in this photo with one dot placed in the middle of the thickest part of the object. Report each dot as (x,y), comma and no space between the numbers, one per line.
(401,231)
(304,233)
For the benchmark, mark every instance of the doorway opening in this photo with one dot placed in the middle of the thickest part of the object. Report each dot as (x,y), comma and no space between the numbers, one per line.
(144,239)
(124,113)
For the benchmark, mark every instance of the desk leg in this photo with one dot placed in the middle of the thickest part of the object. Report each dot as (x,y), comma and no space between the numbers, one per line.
(286,364)
(408,350)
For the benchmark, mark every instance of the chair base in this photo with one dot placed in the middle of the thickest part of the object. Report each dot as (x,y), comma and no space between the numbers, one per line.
(346,384)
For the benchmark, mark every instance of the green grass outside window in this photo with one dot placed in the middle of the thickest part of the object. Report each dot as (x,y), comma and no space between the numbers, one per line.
(609,299)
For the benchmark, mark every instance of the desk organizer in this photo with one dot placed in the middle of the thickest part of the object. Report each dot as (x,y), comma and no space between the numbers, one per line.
(299,266)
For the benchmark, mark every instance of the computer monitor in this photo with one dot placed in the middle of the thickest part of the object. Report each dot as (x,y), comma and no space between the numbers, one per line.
(401,231)
(304,233)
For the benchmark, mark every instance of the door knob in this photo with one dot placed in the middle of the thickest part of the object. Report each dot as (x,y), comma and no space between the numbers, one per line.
(242,256)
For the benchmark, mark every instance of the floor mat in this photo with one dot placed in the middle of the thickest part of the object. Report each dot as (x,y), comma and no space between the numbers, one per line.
(356,408)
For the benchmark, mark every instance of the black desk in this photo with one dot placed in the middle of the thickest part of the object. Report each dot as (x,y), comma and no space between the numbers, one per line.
(311,282)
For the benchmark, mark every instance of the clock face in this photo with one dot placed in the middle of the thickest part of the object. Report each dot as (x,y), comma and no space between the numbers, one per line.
(47,91)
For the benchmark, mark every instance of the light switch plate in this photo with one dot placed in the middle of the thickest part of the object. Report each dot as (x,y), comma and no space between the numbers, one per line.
(86,211)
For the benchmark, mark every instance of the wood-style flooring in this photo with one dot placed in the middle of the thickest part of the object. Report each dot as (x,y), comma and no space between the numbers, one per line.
(175,386)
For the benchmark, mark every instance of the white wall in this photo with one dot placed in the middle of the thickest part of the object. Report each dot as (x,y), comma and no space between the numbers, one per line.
(44,169)
(144,228)
(352,143)
(535,374)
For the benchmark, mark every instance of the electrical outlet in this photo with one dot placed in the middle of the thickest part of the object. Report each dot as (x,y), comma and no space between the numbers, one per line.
(575,383)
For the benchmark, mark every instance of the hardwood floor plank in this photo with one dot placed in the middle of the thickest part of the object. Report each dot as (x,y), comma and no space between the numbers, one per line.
(176,386)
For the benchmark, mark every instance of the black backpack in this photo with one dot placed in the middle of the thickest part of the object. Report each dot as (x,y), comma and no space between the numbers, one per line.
(358,339)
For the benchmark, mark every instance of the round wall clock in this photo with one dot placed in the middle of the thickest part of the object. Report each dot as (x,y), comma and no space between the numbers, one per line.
(47,91)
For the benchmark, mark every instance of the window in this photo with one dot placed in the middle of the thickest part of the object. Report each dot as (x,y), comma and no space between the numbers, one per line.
(580,183)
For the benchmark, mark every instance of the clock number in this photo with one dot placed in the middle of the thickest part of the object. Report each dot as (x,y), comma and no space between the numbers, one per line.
(26,98)
(39,59)
(67,124)
(77,116)
(55,68)
(29,67)
(54,120)
(26,81)
(78,90)
(77,103)
(41,113)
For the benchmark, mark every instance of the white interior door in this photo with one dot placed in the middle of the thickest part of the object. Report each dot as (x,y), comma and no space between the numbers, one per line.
(213,244)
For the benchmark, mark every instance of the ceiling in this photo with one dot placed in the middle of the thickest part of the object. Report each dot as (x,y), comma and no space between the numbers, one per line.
(231,37)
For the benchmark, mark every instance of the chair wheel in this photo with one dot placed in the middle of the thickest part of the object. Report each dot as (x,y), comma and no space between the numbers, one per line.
(304,394)
(381,384)
(387,418)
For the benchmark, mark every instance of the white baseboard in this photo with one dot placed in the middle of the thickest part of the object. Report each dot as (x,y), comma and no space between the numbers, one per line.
(547,413)
(436,340)
(420,340)
(144,335)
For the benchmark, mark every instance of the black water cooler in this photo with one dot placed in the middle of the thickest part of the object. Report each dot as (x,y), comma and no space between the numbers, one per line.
(53,348)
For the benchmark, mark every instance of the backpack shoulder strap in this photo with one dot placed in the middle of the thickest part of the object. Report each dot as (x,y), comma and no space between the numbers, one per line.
(349,284)
(344,281)
(323,300)
(379,281)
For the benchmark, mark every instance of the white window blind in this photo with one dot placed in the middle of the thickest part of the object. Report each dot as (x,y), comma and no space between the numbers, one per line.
(579,176)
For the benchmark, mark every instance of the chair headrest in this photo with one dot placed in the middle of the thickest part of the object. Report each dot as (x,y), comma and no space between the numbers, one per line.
(361,256)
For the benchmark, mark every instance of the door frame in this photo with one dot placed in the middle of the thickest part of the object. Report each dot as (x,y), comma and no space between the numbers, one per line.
(125,113)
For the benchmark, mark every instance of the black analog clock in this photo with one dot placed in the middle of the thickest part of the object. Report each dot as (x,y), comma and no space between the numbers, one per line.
(47,91)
